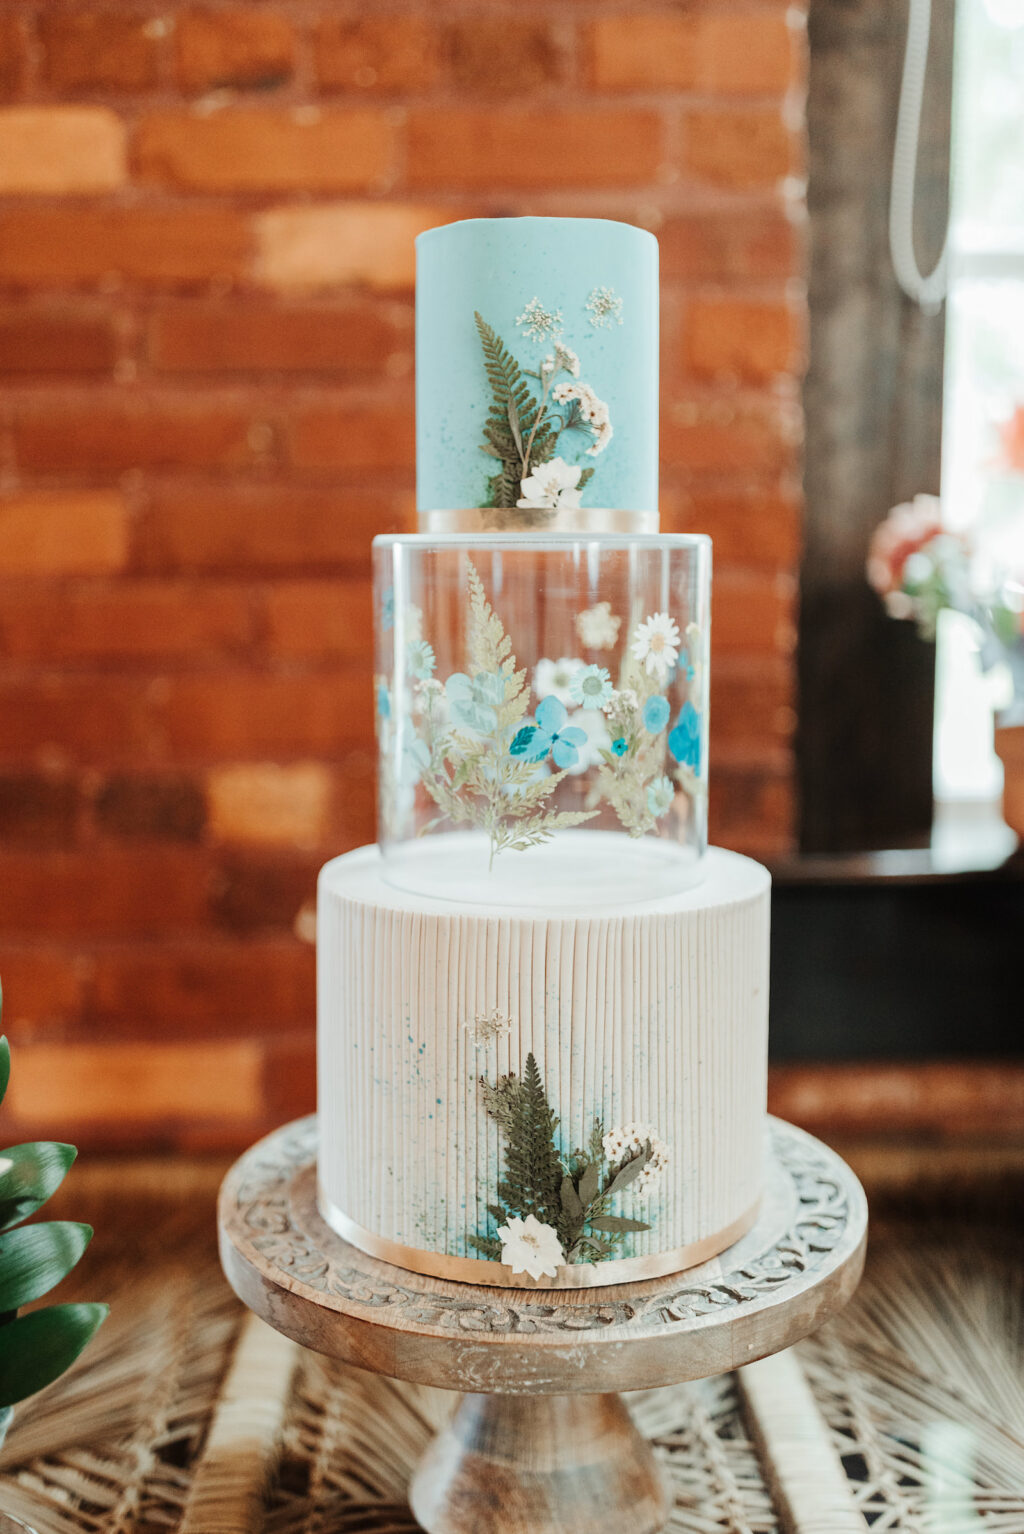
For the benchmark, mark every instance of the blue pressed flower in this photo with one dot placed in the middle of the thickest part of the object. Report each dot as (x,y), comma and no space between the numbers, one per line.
(420,659)
(684,738)
(383,700)
(685,666)
(553,733)
(660,794)
(387,608)
(591,686)
(474,700)
(656,714)
(620,746)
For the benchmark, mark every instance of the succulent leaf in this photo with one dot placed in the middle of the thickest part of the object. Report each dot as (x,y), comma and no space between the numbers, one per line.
(37,1348)
(34,1259)
(29,1174)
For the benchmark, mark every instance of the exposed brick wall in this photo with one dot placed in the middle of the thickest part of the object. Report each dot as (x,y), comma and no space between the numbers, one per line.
(206,362)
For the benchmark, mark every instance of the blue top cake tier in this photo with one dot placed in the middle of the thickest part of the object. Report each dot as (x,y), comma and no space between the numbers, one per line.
(537,365)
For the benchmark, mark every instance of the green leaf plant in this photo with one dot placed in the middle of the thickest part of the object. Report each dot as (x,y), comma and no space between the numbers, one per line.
(37,1348)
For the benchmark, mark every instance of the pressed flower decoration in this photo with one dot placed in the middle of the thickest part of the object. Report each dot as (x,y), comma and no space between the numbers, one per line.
(598,627)
(551,1210)
(488,760)
(528,421)
(605,308)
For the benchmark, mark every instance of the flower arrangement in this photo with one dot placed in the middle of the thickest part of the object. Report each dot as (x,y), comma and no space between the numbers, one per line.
(525,423)
(551,1210)
(37,1348)
(488,762)
(919,568)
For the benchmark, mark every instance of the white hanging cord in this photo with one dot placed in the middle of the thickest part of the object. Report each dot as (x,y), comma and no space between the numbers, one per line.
(926,291)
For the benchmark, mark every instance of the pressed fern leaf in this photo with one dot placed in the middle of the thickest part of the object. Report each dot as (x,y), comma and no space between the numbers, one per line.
(533,1171)
(511,419)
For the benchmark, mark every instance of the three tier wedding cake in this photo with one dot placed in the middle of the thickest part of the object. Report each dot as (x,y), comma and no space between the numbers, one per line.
(542,1014)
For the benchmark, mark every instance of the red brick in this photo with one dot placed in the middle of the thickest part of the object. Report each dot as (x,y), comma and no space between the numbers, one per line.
(55,341)
(302,249)
(261,891)
(263,804)
(485,53)
(752,613)
(517,148)
(737,338)
(746,801)
(721,246)
(274,528)
(162,806)
(104,891)
(289,1077)
(38,810)
(355,802)
(376,53)
(321,619)
(751,704)
(90,718)
(163,247)
(63,532)
(746,526)
(42,984)
(152,434)
(348,338)
(245,48)
(13,57)
(726,435)
(61,151)
(117,1088)
(353,436)
(194,986)
(738,150)
(98,50)
(271,151)
(141,621)
(728,53)
(249,715)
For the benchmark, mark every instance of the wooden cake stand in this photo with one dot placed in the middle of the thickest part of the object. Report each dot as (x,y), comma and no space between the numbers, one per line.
(542,1443)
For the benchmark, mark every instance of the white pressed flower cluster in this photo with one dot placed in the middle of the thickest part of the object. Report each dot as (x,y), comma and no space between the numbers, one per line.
(485,1027)
(656,643)
(562,360)
(593,410)
(628,1141)
(538,323)
(598,627)
(551,485)
(605,308)
(530,1246)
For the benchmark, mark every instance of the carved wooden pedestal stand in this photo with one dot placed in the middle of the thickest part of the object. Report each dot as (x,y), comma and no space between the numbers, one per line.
(542,1443)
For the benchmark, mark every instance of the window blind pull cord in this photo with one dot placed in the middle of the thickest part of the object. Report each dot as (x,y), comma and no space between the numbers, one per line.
(927,291)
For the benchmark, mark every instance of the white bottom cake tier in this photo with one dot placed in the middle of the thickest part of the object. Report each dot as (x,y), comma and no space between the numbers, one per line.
(542,1099)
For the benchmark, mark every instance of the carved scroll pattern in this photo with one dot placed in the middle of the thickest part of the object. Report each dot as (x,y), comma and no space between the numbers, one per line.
(263,1205)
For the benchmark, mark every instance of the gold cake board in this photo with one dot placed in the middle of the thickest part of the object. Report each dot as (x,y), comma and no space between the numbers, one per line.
(542,1442)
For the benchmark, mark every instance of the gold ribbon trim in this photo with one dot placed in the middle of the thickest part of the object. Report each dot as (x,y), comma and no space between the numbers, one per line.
(578,1275)
(559,519)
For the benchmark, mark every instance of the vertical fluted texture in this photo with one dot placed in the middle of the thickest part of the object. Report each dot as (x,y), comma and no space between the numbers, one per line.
(657,1014)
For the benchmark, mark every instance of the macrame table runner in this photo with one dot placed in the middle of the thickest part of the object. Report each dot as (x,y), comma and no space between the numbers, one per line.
(187,1415)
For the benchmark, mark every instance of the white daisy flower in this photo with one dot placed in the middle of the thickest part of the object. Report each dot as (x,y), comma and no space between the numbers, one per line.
(660,794)
(553,678)
(591,686)
(656,643)
(420,659)
(530,1246)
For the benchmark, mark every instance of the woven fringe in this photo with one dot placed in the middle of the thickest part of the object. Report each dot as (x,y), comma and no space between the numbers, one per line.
(241,1451)
(918,1383)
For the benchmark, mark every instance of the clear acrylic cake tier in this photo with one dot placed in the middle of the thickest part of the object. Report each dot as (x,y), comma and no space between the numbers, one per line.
(541,714)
